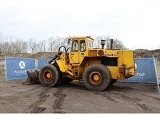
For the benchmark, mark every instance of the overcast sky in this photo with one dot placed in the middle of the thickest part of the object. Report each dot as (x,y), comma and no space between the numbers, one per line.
(135,22)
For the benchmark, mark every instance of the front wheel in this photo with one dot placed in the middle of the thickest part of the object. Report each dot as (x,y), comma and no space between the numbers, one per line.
(97,77)
(49,75)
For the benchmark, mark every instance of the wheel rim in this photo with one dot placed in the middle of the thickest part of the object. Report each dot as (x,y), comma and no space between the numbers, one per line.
(95,78)
(47,76)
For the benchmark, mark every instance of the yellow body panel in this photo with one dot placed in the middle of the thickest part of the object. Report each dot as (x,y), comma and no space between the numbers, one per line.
(114,71)
(61,65)
(126,60)
(74,58)
(119,62)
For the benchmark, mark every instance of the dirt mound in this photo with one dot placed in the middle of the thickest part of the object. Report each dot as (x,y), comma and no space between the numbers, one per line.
(138,53)
(29,55)
(144,53)
(43,55)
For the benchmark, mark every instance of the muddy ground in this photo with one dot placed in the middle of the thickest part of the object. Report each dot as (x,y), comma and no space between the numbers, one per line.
(75,98)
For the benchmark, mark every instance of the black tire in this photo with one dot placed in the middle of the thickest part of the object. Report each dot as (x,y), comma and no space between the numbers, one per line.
(97,77)
(49,75)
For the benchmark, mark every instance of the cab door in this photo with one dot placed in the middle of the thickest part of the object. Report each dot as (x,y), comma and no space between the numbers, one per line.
(82,52)
(74,58)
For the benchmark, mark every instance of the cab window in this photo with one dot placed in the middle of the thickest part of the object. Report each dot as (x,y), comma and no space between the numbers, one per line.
(82,46)
(90,44)
(74,46)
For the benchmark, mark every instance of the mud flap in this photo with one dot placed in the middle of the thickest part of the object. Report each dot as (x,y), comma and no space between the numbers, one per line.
(33,77)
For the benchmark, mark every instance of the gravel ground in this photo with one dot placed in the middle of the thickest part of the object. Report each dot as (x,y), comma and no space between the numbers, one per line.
(75,98)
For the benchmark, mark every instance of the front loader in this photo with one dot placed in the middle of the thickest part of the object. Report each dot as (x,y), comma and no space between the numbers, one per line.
(99,68)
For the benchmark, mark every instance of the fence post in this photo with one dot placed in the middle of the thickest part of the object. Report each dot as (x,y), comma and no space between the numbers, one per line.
(155,66)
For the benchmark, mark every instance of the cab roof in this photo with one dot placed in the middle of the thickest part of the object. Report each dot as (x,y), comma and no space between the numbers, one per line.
(81,37)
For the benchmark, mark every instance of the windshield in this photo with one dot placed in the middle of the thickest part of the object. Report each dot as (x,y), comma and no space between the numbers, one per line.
(90,44)
(74,46)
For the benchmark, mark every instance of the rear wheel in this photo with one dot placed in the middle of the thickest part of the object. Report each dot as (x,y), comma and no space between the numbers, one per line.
(97,77)
(49,75)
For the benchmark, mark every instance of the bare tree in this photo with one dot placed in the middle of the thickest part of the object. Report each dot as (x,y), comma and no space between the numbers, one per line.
(32,46)
(98,41)
(51,43)
(117,44)
(10,46)
(6,48)
(19,46)
(54,43)
(41,46)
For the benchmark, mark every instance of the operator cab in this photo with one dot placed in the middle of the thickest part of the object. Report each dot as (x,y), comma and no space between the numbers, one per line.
(79,48)
(80,42)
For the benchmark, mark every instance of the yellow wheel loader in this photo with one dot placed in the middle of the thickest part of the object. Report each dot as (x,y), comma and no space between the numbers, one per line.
(99,68)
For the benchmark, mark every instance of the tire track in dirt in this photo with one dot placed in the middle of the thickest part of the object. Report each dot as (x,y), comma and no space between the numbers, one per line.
(108,97)
(10,105)
(130,99)
(144,107)
(57,106)
(13,100)
(153,97)
(42,98)
(135,100)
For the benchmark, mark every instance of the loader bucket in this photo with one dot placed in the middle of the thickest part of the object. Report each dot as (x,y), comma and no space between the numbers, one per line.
(33,77)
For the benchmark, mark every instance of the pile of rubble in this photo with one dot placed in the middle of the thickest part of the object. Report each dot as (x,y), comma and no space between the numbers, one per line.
(138,53)
(29,55)
(144,53)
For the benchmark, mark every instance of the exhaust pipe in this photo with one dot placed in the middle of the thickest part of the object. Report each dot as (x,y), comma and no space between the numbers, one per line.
(111,47)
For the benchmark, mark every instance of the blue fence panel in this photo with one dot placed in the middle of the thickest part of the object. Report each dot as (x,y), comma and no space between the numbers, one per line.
(16,68)
(42,62)
(145,71)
